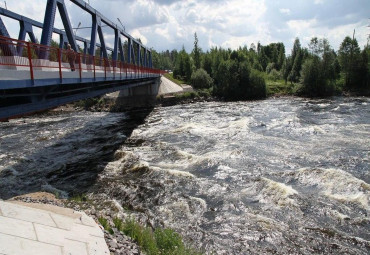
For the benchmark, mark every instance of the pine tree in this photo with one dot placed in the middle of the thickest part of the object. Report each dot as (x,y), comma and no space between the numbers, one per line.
(196,52)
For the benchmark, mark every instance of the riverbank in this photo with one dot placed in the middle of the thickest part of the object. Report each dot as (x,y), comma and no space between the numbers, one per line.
(123,234)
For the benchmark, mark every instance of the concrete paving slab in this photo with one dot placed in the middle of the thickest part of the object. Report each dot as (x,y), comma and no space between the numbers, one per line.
(74,247)
(14,245)
(72,233)
(168,87)
(17,227)
(96,247)
(27,214)
(64,222)
(88,221)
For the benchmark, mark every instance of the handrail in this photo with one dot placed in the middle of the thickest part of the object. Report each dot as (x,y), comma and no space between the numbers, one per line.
(17,53)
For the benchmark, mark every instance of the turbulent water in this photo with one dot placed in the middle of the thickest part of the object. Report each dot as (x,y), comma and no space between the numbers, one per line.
(285,176)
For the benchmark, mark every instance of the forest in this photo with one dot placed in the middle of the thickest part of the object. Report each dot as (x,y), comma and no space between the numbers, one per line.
(258,71)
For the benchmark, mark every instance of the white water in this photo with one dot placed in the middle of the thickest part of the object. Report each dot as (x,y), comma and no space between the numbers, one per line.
(285,176)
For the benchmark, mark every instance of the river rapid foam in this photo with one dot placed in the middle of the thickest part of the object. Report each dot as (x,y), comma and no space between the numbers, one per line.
(283,176)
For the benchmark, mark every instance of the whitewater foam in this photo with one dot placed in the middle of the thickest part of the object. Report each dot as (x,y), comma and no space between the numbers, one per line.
(268,191)
(337,184)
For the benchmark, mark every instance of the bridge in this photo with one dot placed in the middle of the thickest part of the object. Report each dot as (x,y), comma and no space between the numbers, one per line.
(37,76)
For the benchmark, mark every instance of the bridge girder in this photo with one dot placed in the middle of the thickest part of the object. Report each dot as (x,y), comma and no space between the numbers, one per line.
(48,29)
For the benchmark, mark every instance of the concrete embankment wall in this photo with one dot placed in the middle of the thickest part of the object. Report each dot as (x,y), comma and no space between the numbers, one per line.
(138,96)
(145,95)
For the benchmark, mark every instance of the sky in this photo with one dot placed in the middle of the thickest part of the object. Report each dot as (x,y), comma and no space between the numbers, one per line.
(171,24)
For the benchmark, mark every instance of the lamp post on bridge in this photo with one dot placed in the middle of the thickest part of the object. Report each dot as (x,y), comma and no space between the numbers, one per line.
(79,24)
(121,24)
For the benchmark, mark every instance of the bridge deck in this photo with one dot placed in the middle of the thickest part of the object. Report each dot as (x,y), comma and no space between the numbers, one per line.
(34,76)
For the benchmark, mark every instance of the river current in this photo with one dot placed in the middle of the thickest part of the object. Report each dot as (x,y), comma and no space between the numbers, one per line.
(279,176)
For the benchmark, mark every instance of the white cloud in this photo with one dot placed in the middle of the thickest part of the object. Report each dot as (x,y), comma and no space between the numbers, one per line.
(285,11)
(137,34)
(169,24)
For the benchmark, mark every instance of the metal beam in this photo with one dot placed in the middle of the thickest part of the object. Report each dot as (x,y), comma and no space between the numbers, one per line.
(120,48)
(49,18)
(67,24)
(116,40)
(8,50)
(139,55)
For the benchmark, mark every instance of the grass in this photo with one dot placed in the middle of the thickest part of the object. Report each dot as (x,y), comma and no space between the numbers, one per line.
(79,198)
(279,87)
(170,77)
(104,222)
(158,242)
(201,93)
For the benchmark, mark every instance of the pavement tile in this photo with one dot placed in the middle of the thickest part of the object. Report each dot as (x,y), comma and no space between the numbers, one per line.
(51,235)
(57,236)
(88,221)
(74,248)
(62,221)
(94,231)
(17,227)
(26,214)
(21,246)
(23,231)
(98,246)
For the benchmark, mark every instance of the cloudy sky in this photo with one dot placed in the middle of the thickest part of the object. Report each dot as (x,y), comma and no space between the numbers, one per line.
(170,24)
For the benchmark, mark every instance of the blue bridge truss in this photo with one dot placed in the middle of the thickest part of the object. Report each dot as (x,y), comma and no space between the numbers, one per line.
(36,76)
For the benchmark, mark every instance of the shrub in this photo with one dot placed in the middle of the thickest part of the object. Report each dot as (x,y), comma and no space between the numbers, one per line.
(201,79)
(274,75)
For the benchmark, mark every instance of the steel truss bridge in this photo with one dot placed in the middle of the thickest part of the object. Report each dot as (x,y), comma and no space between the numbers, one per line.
(35,76)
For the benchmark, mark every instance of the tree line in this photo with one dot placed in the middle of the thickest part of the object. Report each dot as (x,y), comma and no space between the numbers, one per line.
(316,70)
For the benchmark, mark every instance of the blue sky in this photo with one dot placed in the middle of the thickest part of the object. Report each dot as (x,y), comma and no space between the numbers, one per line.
(170,24)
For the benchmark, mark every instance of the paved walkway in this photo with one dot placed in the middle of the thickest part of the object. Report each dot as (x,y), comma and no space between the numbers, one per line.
(48,230)
(167,87)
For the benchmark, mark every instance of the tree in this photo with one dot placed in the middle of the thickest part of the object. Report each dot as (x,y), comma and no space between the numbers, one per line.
(207,63)
(349,57)
(196,52)
(297,60)
(320,69)
(200,79)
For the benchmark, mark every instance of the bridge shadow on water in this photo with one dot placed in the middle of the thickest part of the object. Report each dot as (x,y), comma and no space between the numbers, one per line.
(71,163)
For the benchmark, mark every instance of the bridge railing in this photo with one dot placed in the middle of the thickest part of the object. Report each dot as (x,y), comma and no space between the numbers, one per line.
(30,61)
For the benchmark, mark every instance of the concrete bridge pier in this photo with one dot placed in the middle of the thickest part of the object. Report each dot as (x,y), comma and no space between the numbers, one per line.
(138,96)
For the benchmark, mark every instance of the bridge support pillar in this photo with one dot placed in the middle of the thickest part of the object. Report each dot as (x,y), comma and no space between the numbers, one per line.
(136,97)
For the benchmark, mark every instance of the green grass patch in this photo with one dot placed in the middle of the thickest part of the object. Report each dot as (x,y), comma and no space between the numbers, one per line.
(104,222)
(171,78)
(196,94)
(79,198)
(158,242)
(118,224)
(279,87)
(187,95)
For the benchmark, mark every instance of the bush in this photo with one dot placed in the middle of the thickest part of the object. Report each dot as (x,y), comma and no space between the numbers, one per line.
(200,79)
(274,75)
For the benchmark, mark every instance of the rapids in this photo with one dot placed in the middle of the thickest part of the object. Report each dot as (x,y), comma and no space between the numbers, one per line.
(285,176)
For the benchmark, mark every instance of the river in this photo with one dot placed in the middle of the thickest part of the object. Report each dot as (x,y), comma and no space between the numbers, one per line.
(281,176)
